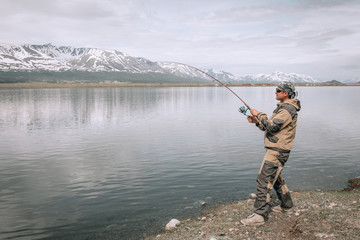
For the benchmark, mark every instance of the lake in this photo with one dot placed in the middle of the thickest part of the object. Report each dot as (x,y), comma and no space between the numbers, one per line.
(119,163)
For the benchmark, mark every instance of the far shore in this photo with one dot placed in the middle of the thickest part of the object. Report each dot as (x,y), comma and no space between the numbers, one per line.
(128,84)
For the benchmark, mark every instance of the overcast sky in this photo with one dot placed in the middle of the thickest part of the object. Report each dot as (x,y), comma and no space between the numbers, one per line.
(319,38)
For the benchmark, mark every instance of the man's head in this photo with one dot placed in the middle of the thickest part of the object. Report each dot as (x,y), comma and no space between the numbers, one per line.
(287,87)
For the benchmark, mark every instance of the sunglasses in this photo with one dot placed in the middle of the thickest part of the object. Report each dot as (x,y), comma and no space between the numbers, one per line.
(278,90)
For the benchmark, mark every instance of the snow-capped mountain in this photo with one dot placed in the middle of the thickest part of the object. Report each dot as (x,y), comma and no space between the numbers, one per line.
(52,58)
(35,58)
(276,77)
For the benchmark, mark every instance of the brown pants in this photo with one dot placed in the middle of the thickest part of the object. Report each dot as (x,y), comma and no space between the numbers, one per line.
(270,177)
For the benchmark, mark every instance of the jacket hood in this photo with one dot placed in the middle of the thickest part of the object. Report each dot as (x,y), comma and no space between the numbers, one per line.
(295,102)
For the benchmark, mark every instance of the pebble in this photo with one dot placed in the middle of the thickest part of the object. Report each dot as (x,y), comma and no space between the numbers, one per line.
(331,205)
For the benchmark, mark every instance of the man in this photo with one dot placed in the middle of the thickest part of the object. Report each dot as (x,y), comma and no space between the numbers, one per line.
(279,137)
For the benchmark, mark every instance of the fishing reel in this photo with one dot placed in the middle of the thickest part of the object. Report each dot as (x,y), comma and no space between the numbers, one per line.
(244,109)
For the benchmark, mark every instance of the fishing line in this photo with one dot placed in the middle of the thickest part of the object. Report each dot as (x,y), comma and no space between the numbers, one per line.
(242,109)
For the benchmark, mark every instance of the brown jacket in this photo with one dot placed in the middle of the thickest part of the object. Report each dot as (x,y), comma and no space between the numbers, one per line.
(280,128)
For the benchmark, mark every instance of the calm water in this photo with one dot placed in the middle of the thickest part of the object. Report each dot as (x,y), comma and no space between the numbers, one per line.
(115,163)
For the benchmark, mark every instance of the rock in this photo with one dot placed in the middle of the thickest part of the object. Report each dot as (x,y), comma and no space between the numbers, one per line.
(200,203)
(172,224)
(252,195)
(323,235)
(354,182)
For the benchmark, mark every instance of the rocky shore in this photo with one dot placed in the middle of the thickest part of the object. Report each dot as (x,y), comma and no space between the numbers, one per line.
(319,214)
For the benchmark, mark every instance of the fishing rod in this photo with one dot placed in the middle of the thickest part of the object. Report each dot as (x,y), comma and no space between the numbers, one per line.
(242,109)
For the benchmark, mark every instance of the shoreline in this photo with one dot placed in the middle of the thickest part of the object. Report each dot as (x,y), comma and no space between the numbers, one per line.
(319,214)
(36,85)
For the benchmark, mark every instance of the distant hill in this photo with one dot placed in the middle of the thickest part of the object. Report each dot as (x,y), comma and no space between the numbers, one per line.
(334,82)
(49,63)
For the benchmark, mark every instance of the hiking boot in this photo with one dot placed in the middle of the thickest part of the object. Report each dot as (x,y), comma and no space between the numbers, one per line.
(279,209)
(253,220)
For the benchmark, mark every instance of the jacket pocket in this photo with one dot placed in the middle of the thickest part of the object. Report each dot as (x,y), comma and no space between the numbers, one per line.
(272,138)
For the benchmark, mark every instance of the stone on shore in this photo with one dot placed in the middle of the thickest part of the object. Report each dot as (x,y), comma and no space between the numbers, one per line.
(252,195)
(355,182)
(172,224)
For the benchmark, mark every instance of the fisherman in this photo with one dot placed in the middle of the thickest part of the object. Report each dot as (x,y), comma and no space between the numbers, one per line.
(280,131)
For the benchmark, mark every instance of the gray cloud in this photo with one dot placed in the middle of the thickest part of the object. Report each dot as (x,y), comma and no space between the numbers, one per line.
(242,37)
(323,3)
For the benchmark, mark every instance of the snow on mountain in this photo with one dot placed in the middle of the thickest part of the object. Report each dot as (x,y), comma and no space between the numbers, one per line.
(52,58)
(226,77)
(276,77)
(26,58)
(182,70)
(65,58)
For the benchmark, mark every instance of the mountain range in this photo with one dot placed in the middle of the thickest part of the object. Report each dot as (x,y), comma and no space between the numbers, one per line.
(21,63)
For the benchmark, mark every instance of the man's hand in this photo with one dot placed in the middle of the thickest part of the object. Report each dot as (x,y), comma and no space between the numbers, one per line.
(254,112)
(252,119)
